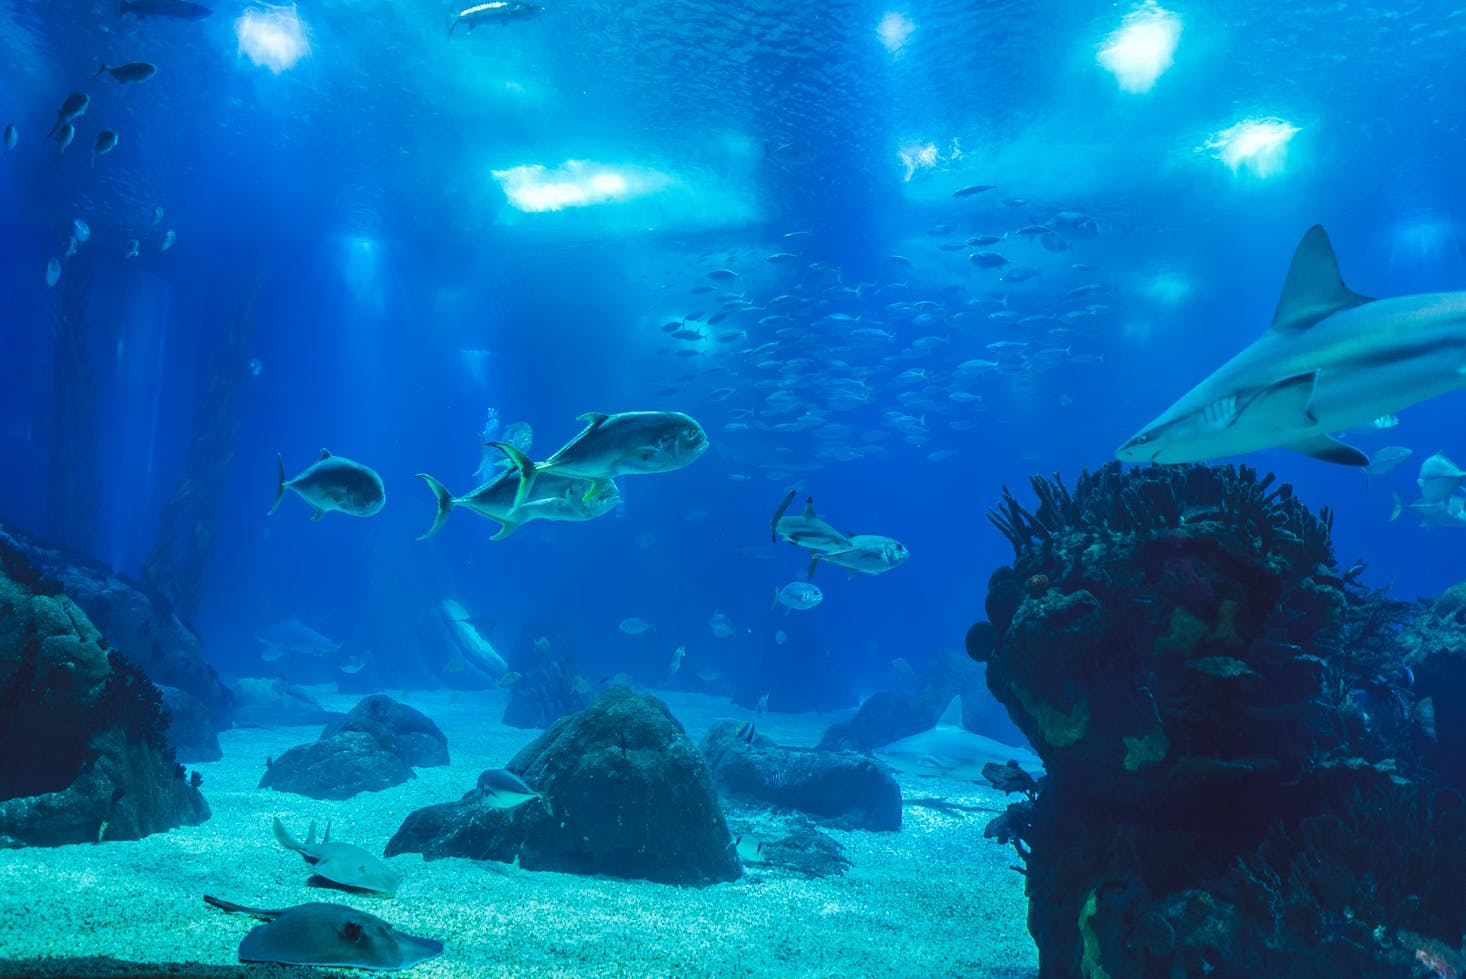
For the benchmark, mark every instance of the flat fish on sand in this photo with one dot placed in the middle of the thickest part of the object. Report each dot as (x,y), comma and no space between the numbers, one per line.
(342,864)
(334,483)
(330,935)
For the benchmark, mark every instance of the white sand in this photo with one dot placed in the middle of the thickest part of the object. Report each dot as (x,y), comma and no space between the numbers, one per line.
(935,900)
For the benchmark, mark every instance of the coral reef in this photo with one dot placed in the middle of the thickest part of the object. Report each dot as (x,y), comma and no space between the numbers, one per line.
(1217,707)
(631,797)
(83,755)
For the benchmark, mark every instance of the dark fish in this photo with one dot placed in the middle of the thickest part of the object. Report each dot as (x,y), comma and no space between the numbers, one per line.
(106,143)
(970,191)
(178,9)
(76,103)
(133,71)
(495,11)
(11,135)
(746,732)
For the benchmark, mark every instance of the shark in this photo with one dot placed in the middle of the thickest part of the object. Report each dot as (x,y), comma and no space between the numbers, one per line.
(952,751)
(1332,359)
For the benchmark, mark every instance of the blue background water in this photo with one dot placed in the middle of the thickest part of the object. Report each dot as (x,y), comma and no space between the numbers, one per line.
(356,191)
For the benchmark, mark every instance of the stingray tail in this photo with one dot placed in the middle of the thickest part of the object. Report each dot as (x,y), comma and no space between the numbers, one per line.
(233,908)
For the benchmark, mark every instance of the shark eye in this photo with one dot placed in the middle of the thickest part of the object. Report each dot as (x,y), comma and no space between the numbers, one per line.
(1142,439)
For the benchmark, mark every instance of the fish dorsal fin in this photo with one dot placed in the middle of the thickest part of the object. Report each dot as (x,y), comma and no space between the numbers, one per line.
(809,508)
(593,418)
(325,453)
(952,716)
(1314,289)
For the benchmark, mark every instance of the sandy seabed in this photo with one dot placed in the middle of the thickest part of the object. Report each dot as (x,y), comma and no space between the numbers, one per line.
(934,900)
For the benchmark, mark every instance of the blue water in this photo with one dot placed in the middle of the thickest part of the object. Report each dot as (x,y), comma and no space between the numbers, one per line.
(353,195)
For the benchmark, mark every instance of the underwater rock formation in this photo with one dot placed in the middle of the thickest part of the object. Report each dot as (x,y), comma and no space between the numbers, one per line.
(373,747)
(1180,649)
(844,789)
(888,716)
(83,756)
(191,732)
(142,626)
(547,691)
(632,798)
(1436,641)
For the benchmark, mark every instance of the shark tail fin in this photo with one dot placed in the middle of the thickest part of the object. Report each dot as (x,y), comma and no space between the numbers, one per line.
(445,503)
(280,488)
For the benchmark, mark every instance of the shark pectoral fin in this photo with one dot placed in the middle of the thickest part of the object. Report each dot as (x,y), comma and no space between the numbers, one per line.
(1328,449)
(1314,289)
(1285,404)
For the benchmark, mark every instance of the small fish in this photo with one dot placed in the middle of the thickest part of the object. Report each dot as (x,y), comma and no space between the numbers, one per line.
(81,231)
(1386,421)
(497,11)
(500,788)
(799,596)
(634,626)
(53,272)
(106,143)
(64,136)
(334,483)
(762,707)
(133,246)
(677,656)
(987,260)
(723,275)
(11,136)
(541,643)
(749,850)
(971,190)
(169,237)
(157,215)
(781,637)
(510,679)
(747,732)
(133,71)
(76,103)
(178,9)
(1439,478)
(1386,459)
(721,625)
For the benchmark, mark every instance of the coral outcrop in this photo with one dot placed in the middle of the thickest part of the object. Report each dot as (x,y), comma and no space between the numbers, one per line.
(83,753)
(630,795)
(1219,709)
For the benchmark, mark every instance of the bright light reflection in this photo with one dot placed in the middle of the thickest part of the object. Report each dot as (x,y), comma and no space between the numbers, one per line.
(894,30)
(576,183)
(1140,51)
(1259,145)
(918,156)
(1167,288)
(272,37)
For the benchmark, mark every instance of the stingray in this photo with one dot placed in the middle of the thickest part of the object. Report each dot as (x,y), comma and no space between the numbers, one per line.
(344,865)
(328,935)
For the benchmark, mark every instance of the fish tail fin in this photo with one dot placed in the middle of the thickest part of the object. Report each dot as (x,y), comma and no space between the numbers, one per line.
(452,21)
(283,837)
(445,503)
(280,488)
(1395,506)
(102,62)
(523,466)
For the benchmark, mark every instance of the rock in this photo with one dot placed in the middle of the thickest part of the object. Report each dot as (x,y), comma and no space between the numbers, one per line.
(191,732)
(405,731)
(632,798)
(845,789)
(141,626)
(372,748)
(544,694)
(82,749)
(338,767)
(883,718)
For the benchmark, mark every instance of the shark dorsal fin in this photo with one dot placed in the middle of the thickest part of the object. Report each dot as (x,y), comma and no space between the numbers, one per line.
(325,453)
(1314,289)
(593,419)
(952,716)
(809,508)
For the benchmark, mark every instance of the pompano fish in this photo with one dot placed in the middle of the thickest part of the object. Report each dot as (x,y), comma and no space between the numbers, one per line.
(334,483)
(615,445)
(799,596)
(133,71)
(554,497)
(1439,478)
(76,103)
(867,554)
(1386,459)
(493,11)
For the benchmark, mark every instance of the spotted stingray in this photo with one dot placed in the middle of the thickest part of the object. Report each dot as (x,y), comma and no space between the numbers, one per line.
(344,865)
(328,935)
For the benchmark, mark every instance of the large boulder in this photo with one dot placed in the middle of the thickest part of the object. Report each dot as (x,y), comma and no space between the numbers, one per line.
(372,748)
(141,625)
(631,797)
(191,732)
(845,789)
(83,755)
